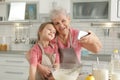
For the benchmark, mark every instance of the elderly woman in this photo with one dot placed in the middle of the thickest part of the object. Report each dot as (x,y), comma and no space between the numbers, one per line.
(66,38)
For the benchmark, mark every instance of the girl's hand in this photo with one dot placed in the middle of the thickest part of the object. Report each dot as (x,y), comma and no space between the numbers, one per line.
(56,66)
(45,71)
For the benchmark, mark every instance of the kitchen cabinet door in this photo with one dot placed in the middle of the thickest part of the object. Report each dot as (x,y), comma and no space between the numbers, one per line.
(3,11)
(30,12)
(13,66)
(92,10)
(14,72)
(14,61)
(46,5)
(65,4)
(115,10)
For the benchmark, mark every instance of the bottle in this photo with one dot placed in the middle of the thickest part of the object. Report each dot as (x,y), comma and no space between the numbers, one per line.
(115,65)
(115,61)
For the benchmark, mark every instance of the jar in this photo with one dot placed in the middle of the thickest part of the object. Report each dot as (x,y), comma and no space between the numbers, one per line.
(5,43)
(100,71)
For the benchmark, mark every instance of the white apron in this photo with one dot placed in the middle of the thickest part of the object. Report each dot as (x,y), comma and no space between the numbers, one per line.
(47,60)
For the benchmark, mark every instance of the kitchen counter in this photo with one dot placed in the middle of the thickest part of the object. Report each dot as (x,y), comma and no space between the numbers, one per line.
(17,54)
(12,52)
(87,60)
(89,57)
(93,57)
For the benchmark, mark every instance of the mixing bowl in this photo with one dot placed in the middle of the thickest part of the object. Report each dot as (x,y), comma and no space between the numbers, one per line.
(63,73)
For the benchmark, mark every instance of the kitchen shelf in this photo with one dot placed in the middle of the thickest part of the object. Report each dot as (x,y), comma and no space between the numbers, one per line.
(31,13)
(26,22)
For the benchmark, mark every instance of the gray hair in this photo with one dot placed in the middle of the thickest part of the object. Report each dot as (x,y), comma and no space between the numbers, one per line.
(57,11)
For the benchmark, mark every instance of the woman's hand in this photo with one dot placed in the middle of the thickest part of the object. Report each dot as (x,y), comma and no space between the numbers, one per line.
(91,42)
(91,36)
(44,70)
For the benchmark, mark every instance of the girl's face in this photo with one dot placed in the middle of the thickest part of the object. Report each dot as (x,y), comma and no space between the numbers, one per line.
(48,33)
(62,23)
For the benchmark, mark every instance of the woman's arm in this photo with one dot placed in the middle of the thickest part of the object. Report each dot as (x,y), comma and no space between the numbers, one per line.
(91,42)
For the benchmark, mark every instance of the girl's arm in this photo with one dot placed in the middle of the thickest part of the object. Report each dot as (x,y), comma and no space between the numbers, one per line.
(32,72)
(27,55)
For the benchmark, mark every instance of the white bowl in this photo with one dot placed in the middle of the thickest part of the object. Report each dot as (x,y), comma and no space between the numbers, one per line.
(62,73)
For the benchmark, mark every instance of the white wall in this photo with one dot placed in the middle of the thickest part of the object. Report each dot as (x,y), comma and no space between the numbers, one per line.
(110,42)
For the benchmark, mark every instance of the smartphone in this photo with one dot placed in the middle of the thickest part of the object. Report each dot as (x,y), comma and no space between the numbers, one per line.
(82,34)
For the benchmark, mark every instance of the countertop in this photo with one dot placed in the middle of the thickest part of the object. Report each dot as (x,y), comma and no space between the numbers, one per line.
(87,58)
(13,52)
(93,57)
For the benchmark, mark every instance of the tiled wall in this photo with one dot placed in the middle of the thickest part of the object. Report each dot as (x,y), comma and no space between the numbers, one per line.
(9,31)
(109,42)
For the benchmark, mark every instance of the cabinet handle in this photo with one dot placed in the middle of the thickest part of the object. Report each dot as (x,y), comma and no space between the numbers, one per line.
(15,61)
(10,72)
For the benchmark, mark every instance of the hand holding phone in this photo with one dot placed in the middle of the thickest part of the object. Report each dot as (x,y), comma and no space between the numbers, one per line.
(82,34)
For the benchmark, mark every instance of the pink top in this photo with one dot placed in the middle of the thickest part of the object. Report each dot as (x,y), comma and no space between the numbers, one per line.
(75,44)
(36,53)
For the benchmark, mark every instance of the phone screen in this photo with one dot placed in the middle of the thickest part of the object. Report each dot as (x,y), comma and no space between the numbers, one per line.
(82,34)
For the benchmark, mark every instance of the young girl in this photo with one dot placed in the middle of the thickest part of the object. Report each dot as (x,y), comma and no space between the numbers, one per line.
(43,54)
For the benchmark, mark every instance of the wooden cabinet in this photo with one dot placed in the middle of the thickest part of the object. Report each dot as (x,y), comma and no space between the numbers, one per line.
(13,67)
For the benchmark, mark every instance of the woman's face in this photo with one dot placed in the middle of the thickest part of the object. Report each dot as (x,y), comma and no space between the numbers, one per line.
(62,23)
(48,33)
